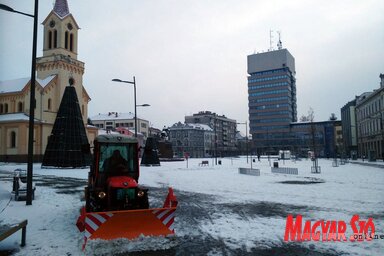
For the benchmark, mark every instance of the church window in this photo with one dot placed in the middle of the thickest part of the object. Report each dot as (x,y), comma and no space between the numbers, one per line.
(49,39)
(55,38)
(66,39)
(49,104)
(71,42)
(20,106)
(52,39)
(13,139)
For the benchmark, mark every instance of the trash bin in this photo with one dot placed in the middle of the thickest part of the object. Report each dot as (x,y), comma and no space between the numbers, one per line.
(275,164)
(219,162)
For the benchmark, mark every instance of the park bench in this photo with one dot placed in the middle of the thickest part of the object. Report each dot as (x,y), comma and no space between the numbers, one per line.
(204,163)
(8,230)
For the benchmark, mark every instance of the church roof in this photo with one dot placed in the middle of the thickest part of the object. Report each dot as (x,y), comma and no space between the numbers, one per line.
(61,8)
(13,117)
(17,85)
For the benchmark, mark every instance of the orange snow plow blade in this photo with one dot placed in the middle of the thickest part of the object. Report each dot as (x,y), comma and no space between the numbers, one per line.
(129,224)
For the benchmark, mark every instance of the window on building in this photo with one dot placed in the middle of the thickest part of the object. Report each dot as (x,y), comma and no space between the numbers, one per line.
(20,106)
(55,38)
(143,125)
(5,108)
(49,39)
(71,42)
(13,139)
(66,40)
(1,108)
(49,104)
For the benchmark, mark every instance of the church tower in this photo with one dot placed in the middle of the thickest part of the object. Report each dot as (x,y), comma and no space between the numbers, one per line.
(60,50)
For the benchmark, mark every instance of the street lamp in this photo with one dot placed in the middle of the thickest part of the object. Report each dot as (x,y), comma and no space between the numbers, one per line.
(32,102)
(246,135)
(134,88)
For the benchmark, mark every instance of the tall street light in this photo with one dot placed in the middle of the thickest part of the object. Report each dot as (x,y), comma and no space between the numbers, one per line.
(32,102)
(134,88)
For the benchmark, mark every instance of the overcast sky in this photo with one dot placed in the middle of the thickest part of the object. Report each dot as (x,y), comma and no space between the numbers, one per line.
(191,55)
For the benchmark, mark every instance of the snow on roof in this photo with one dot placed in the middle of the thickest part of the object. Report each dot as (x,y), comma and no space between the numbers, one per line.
(200,126)
(180,125)
(17,85)
(14,117)
(113,116)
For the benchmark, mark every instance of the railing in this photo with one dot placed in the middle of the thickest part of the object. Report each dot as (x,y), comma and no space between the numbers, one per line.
(248,171)
(285,170)
(6,231)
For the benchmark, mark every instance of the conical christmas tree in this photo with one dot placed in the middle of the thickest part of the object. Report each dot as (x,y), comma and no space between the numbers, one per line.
(68,135)
(150,156)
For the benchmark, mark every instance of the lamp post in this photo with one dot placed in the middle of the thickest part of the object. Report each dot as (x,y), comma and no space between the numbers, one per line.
(32,102)
(246,135)
(134,88)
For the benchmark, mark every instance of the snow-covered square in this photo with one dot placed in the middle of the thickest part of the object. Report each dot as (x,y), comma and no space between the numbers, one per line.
(220,211)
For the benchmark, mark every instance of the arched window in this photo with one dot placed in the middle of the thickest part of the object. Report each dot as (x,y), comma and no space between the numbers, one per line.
(71,42)
(49,104)
(20,106)
(13,139)
(66,39)
(55,38)
(5,108)
(49,39)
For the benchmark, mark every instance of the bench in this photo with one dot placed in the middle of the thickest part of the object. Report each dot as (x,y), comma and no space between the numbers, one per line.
(285,170)
(6,231)
(248,171)
(204,163)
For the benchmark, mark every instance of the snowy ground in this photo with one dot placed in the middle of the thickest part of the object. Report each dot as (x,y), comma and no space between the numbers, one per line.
(221,212)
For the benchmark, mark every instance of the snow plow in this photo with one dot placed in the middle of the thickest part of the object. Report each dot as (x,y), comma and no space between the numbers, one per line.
(116,206)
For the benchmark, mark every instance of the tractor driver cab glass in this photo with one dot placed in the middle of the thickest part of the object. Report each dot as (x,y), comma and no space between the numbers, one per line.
(112,155)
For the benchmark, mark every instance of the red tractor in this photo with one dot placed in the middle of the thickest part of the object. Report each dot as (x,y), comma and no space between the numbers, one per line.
(116,206)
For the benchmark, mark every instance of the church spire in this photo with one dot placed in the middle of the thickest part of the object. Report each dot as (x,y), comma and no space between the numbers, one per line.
(61,8)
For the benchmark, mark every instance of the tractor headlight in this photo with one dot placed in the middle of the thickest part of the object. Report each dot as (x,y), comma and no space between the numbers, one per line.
(140,193)
(102,194)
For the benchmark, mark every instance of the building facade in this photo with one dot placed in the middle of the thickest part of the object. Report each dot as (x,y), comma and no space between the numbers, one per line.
(123,122)
(55,70)
(323,138)
(271,99)
(348,122)
(194,140)
(370,123)
(224,130)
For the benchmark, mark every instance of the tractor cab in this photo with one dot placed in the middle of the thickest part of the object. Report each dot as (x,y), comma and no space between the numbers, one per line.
(117,160)
(114,175)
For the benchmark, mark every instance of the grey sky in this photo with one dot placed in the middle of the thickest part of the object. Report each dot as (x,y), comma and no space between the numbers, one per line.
(191,55)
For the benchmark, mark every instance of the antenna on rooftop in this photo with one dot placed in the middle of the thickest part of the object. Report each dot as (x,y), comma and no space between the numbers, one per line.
(279,44)
(270,40)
